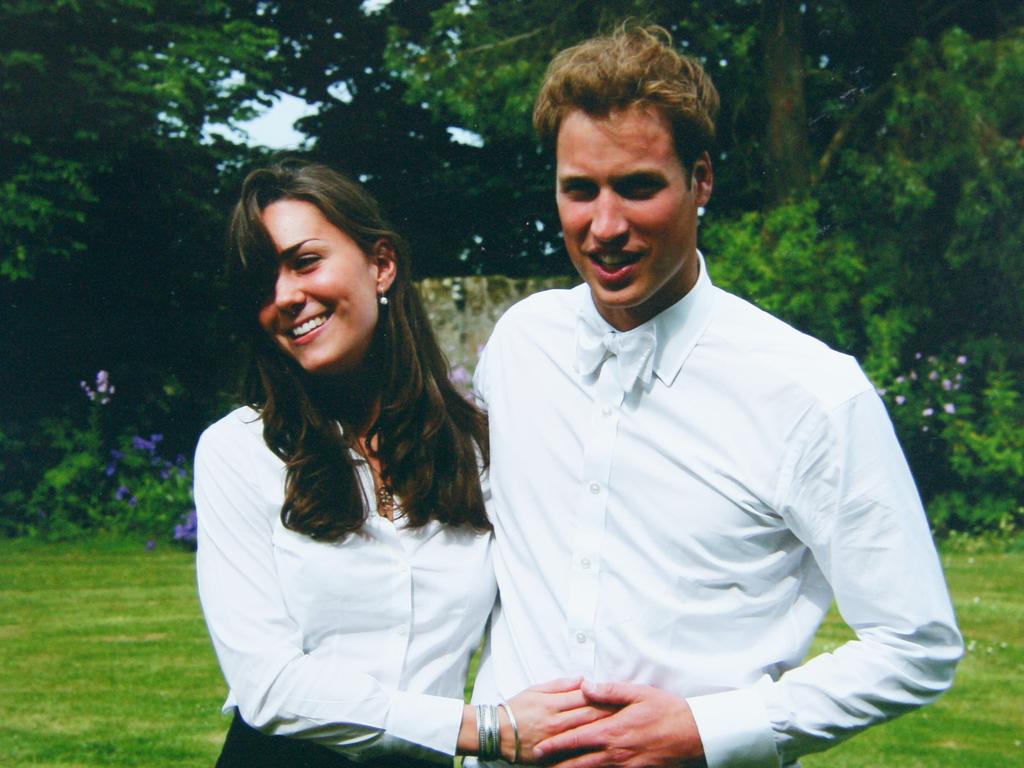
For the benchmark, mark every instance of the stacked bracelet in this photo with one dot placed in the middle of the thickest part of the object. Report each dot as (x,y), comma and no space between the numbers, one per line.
(515,729)
(489,731)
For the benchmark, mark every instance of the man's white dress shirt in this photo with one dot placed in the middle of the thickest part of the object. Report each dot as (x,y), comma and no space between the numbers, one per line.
(690,534)
(360,645)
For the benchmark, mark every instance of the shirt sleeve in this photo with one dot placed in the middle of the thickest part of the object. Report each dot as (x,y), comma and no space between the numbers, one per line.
(278,687)
(849,496)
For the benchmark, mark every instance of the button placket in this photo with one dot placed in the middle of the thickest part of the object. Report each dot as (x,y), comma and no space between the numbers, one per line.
(583,595)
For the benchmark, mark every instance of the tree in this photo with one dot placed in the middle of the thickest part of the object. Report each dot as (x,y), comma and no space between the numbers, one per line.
(788,146)
(110,225)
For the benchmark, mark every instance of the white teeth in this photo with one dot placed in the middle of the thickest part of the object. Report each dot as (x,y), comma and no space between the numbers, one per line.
(308,326)
(616,260)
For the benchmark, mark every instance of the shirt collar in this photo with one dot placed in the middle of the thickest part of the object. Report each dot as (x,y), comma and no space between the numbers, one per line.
(677,329)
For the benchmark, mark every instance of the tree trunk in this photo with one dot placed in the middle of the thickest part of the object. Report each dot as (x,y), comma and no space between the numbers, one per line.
(789,157)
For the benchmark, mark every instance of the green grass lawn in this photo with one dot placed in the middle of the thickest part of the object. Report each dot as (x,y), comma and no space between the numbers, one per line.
(105,661)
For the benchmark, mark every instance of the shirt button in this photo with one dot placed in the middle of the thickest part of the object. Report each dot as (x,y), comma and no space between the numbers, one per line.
(403,631)
(581,637)
(595,488)
(606,411)
(585,563)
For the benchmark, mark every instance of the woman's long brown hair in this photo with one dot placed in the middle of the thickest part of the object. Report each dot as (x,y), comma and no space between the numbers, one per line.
(431,441)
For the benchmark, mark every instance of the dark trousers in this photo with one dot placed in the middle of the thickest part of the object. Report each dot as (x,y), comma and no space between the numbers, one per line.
(245,747)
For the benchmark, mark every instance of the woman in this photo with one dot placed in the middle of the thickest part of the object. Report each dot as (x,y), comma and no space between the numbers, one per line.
(344,554)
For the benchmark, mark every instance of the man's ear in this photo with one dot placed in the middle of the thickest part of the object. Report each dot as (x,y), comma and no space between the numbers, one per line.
(386,260)
(702,178)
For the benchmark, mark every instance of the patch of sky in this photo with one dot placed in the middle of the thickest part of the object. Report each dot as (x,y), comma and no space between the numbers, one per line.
(273,127)
(341,91)
(370,7)
(464,136)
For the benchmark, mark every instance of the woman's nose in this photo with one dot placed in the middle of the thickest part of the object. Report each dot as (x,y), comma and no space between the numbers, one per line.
(288,293)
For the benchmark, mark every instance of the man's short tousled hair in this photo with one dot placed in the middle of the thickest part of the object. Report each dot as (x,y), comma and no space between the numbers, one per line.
(636,65)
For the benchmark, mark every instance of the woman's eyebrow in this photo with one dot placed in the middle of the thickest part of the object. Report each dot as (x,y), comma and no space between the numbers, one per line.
(291,250)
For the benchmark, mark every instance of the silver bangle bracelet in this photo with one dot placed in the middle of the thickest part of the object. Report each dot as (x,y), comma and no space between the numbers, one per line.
(488,731)
(515,729)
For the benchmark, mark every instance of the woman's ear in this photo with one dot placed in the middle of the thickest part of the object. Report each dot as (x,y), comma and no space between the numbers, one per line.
(386,260)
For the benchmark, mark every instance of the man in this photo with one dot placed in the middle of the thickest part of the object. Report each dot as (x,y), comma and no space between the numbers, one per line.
(681,482)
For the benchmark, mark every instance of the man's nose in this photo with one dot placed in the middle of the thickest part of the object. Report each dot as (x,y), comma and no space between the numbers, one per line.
(609,222)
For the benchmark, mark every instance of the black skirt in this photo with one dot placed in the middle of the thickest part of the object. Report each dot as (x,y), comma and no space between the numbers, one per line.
(245,747)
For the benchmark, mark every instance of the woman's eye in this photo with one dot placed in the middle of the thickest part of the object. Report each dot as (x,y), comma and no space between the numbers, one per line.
(305,262)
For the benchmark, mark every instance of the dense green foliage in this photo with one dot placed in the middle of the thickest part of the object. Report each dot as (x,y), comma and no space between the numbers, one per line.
(128,676)
(899,240)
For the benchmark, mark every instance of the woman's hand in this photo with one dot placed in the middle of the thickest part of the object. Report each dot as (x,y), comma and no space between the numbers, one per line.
(544,711)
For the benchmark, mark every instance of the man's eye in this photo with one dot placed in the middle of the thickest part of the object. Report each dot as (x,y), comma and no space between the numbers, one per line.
(579,190)
(640,189)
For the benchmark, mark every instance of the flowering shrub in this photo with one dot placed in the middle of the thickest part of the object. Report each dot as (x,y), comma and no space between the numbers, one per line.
(96,480)
(961,421)
(153,492)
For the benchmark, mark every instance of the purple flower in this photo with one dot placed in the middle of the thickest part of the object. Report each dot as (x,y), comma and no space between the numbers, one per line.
(961,359)
(132,501)
(949,408)
(927,411)
(947,384)
(103,384)
(900,399)
(117,454)
(140,443)
(111,469)
(900,379)
(122,492)
(187,529)
(151,545)
(104,389)
(933,376)
(460,375)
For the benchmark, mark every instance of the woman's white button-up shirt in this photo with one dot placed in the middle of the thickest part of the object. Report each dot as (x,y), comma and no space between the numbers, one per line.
(361,645)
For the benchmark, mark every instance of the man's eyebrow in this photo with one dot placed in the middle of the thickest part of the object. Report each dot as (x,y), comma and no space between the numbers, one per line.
(638,175)
(641,175)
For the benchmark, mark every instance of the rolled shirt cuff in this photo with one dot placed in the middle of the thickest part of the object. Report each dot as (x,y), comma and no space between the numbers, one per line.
(430,721)
(735,730)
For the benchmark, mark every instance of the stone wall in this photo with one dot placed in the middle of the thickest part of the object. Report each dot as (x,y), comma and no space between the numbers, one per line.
(463,311)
